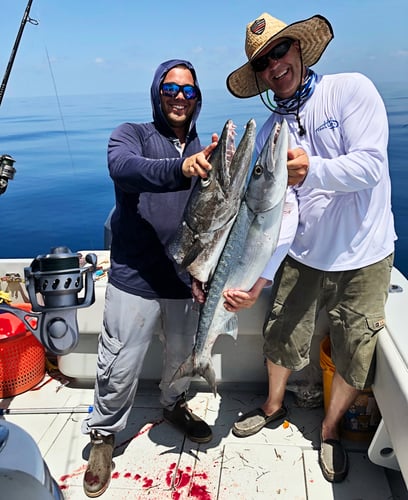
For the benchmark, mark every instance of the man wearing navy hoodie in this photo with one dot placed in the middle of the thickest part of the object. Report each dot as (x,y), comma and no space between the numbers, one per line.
(153,167)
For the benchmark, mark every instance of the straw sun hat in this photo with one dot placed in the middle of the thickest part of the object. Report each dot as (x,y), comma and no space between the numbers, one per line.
(314,34)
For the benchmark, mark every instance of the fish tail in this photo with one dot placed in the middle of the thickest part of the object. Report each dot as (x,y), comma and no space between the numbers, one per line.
(189,369)
(206,370)
(186,369)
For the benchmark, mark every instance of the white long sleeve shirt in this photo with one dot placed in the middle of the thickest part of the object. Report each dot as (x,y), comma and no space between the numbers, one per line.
(345,216)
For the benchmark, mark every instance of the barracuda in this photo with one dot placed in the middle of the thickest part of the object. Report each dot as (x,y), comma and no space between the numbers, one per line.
(251,243)
(214,204)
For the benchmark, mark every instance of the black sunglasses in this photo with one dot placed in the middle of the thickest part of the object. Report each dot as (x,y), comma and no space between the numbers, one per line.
(171,89)
(277,52)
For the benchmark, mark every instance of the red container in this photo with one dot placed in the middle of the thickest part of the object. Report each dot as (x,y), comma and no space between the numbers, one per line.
(22,356)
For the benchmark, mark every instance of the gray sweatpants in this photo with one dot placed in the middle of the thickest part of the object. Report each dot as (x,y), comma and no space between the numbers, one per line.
(128,326)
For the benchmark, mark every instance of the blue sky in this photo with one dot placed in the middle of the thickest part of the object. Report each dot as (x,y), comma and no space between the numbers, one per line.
(106,46)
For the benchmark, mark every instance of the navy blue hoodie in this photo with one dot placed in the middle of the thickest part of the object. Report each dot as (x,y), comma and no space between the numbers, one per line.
(151,193)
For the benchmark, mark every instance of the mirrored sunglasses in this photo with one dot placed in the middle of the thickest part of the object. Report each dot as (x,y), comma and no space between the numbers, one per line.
(170,89)
(277,52)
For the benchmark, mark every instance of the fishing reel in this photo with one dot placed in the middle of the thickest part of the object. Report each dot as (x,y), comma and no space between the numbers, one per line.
(7,171)
(55,280)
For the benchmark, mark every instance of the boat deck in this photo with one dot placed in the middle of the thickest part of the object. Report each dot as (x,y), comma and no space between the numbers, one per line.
(153,460)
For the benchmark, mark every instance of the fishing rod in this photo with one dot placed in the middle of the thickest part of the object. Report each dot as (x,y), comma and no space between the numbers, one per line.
(26,19)
(7,169)
(57,276)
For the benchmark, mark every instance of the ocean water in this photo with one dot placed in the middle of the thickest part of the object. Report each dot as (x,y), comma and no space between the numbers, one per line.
(62,193)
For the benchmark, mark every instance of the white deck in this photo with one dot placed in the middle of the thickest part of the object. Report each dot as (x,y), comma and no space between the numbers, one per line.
(155,461)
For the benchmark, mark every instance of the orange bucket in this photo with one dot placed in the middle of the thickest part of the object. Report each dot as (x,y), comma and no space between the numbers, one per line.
(22,356)
(362,418)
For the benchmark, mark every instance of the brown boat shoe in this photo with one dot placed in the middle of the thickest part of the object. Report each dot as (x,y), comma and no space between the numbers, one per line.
(252,422)
(333,460)
(98,473)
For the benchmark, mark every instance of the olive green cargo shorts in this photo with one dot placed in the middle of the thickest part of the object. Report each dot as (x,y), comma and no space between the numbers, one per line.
(354,302)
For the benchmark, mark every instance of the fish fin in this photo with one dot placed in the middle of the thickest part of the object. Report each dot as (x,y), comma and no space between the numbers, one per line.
(193,252)
(231,326)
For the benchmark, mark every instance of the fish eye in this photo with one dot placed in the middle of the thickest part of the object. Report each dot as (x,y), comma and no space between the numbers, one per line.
(258,169)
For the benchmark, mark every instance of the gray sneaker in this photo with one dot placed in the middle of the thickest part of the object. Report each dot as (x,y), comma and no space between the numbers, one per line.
(98,473)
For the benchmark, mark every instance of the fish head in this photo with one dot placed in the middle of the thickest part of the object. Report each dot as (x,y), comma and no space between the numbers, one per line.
(231,163)
(269,173)
(218,196)
(221,158)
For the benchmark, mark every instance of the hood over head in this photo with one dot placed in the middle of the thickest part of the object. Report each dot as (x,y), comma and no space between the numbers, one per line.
(158,115)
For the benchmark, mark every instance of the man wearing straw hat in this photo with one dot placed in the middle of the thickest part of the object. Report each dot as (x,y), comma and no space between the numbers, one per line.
(342,253)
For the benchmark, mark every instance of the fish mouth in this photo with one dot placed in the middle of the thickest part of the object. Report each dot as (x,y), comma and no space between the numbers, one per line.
(276,136)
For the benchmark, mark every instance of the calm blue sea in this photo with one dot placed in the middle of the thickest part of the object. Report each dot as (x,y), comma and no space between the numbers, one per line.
(62,194)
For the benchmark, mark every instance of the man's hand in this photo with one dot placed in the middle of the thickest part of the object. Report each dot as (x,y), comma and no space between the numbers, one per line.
(298,165)
(235,300)
(197,290)
(198,164)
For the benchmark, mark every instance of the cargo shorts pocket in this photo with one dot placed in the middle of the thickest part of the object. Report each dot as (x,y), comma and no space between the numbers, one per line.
(375,322)
(275,316)
(108,351)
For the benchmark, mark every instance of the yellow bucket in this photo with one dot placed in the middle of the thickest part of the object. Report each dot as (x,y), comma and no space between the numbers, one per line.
(362,418)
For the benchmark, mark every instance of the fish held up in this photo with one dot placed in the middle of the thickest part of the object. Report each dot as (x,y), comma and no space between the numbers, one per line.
(213,204)
(249,246)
